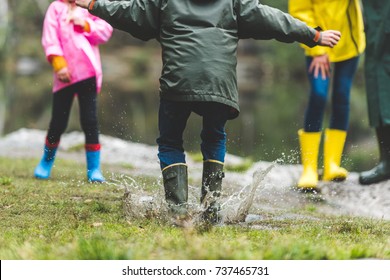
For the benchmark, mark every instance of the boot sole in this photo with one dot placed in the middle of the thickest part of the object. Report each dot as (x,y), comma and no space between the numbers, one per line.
(96,181)
(376,181)
(41,178)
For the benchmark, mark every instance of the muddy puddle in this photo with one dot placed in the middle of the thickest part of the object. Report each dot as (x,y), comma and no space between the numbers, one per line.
(265,188)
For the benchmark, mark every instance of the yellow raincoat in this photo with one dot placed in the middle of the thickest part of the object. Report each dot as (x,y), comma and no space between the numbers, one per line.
(342,15)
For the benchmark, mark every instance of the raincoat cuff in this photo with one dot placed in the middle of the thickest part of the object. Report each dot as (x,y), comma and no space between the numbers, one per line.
(53,50)
(317,37)
(91,4)
(58,62)
(87,27)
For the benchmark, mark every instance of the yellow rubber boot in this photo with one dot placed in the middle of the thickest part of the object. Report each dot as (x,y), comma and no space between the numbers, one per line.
(309,142)
(333,149)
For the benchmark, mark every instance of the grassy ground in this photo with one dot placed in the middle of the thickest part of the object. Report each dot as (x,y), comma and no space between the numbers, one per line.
(67,218)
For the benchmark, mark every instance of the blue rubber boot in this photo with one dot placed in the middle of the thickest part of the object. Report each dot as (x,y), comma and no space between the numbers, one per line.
(93,167)
(42,171)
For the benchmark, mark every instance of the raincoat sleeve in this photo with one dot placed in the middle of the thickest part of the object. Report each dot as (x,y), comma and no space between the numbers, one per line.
(304,11)
(50,39)
(259,21)
(140,18)
(100,31)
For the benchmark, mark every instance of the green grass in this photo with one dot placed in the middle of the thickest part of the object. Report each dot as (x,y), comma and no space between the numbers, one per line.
(242,167)
(68,218)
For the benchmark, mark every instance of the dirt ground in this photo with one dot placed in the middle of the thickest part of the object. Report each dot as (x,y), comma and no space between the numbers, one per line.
(266,186)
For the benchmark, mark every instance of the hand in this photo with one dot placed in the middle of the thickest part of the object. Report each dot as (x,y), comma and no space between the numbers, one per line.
(320,64)
(79,21)
(63,75)
(83,3)
(330,38)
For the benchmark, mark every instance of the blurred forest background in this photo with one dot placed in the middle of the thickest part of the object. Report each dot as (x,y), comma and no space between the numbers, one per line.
(272,83)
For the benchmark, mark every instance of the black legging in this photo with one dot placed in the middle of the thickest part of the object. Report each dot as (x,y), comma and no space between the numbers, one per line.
(62,103)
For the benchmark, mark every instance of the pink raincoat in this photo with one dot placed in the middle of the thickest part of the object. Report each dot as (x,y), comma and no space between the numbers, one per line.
(80,49)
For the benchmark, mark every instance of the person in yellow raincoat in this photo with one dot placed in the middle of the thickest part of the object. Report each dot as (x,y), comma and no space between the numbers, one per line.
(339,62)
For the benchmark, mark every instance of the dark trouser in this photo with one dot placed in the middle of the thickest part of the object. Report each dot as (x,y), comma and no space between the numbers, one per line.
(173,118)
(344,72)
(62,103)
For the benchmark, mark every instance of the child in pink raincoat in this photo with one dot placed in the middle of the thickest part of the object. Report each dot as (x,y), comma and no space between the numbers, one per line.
(70,40)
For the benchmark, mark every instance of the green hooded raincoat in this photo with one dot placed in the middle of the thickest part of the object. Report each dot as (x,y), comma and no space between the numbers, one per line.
(199,40)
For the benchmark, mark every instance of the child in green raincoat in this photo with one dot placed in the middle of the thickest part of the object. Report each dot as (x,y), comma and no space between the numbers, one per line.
(199,53)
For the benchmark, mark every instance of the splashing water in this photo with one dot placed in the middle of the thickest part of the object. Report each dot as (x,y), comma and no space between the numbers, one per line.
(268,189)
(244,199)
(141,204)
(151,204)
